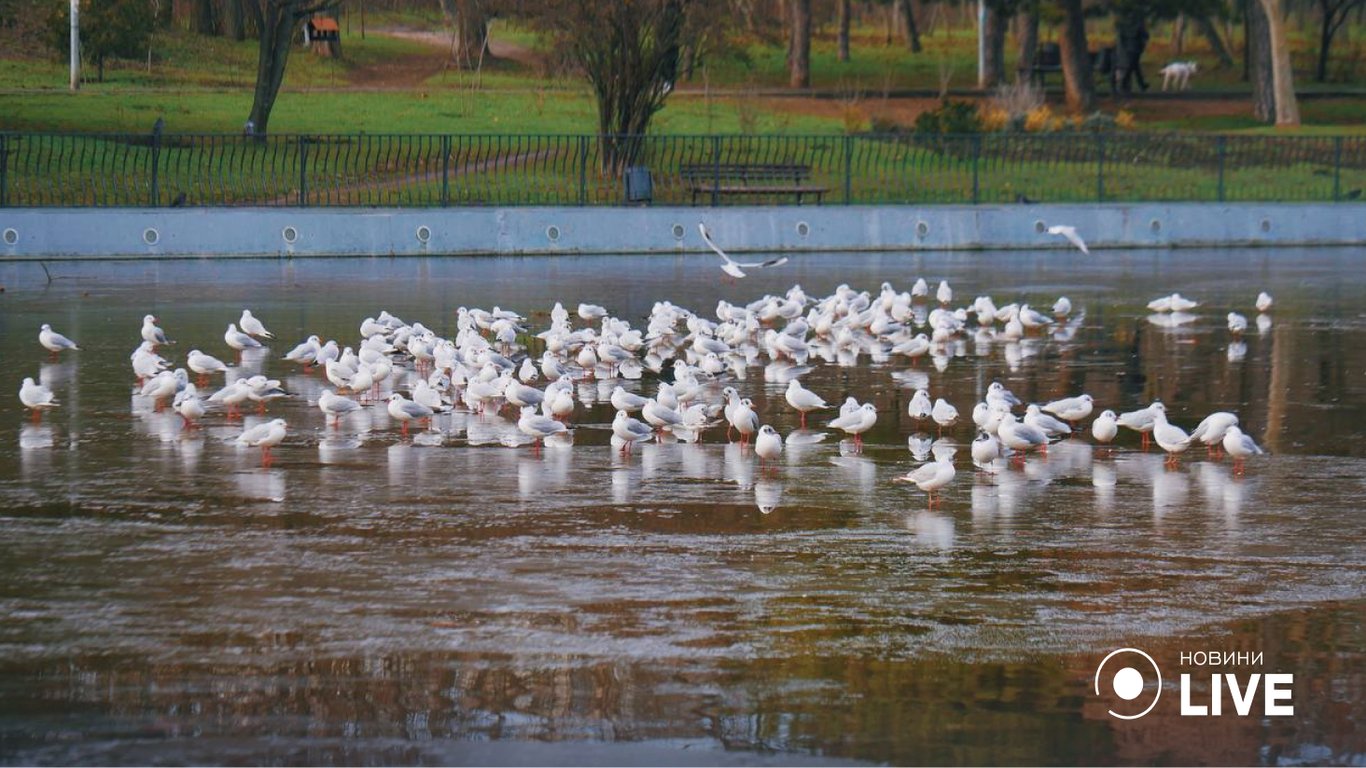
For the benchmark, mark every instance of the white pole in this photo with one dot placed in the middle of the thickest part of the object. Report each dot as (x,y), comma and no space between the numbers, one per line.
(75,45)
(981,43)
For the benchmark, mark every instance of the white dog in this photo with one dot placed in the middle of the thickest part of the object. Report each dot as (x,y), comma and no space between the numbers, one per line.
(1178,73)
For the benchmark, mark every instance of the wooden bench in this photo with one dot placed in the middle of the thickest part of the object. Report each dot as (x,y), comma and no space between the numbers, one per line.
(738,179)
(1048,59)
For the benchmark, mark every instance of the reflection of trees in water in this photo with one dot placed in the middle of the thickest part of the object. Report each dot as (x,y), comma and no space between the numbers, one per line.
(934,710)
(1322,648)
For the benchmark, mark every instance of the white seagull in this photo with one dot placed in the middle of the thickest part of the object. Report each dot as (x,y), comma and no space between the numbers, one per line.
(856,422)
(932,476)
(405,410)
(769,444)
(54,342)
(803,399)
(1070,233)
(733,268)
(264,436)
(1239,446)
(151,333)
(540,427)
(336,406)
(205,365)
(36,398)
(251,325)
(630,431)
(1105,427)
(238,340)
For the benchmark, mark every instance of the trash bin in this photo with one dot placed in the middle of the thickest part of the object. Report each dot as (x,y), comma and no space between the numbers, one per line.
(639,187)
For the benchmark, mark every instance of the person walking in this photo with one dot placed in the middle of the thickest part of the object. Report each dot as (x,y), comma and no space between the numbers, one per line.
(1131,30)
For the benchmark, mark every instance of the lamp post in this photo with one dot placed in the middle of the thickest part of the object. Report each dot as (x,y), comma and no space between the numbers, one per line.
(75,45)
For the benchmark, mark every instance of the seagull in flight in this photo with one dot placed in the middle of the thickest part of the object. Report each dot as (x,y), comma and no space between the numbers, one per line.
(1071,234)
(733,268)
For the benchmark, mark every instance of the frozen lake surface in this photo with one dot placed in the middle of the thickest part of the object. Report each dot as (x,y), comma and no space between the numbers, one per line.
(449,598)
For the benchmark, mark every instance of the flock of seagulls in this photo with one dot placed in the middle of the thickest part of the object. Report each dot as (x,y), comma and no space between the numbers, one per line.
(495,362)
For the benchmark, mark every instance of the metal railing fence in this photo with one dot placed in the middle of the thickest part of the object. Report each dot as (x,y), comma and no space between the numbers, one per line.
(433,170)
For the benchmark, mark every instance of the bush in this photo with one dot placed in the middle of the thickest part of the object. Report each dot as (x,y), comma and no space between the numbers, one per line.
(950,117)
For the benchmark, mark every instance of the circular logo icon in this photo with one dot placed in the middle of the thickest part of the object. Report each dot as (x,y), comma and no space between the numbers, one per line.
(1126,672)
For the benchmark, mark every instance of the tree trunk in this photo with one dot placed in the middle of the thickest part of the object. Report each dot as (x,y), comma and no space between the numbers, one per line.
(1076,61)
(1325,40)
(910,32)
(800,50)
(1179,35)
(994,69)
(890,29)
(1282,71)
(471,33)
(843,34)
(1258,46)
(1210,32)
(234,22)
(1029,43)
(276,23)
(203,17)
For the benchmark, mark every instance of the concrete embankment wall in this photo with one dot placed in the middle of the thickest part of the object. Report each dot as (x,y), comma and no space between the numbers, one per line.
(79,233)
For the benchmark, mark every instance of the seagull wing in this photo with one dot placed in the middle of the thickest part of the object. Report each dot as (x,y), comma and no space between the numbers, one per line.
(778,262)
(1072,237)
(728,266)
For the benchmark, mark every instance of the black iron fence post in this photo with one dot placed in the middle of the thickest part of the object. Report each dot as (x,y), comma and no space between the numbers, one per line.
(715,171)
(1220,151)
(848,169)
(583,170)
(976,170)
(4,172)
(156,163)
(303,169)
(445,170)
(1337,171)
(1100,167)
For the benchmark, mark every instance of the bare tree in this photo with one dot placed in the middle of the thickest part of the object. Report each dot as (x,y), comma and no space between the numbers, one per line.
(842,35)
(629,52)
(1029,39)
(905,14)
(1334,14)
(1076,60)
(1258,51)
(799,47)
(276,22)
(1282,72)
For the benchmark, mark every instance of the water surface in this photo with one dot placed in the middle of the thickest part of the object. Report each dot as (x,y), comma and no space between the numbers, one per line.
(447,598)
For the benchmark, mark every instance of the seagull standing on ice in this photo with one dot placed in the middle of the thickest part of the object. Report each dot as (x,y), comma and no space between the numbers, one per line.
(733,268)
(253,326)
(856,422)
(768,445)
(54,342)
(933,476)
(405,410)
(1070,233)
(630,431)
(803,399)
(1239,446)
(336,406)
(264,436)
(153,334)
(36,398)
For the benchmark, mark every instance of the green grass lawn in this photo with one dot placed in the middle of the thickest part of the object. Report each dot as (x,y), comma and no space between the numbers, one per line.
(204,85)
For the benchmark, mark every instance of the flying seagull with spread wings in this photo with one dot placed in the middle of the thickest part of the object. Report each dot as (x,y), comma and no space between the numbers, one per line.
(1071,234)
(731,267)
